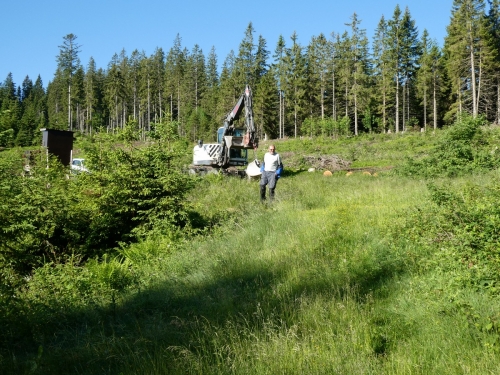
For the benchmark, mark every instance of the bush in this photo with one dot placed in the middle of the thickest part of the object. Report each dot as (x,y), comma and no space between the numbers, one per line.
(465,147)
(461,229)
(47,216)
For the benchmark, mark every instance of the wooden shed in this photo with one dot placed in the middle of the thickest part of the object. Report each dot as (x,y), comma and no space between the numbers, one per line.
(58,143)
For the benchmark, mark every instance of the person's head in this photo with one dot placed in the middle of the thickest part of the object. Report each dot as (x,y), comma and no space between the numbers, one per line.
(272,149)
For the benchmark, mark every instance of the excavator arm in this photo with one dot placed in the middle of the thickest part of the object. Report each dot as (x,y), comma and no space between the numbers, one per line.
(229,139)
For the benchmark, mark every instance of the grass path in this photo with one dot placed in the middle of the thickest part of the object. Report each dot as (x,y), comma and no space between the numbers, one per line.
(317,283)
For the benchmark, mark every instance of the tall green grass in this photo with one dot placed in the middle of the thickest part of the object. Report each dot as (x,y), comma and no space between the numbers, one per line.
(322,281)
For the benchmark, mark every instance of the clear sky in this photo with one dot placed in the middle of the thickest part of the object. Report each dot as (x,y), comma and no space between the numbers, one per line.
(33,30)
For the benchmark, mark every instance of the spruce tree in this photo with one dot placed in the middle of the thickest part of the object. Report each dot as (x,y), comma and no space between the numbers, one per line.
(410,55)
(245,64)
(157,84)
(175,67)
(78,98)
(382,73)
(493,23)
(133,82)
(68,62)
(229,91)
(90,88)
(266,106)
(280,77)
(296,65)
(469,55)
(395,52)
(57,102)
(429,79)
(211,97)
(360,70)
(9,112)
(319,56)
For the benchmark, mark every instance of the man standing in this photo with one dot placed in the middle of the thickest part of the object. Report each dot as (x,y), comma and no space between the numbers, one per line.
(271,170)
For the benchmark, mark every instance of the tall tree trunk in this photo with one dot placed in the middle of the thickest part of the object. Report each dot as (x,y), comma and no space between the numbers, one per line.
(280,119)
(434,103)
(397,105)
(355,108)
(425,108)
(149,108)
(334,113)
(70,125)
(473,76)
(497,119)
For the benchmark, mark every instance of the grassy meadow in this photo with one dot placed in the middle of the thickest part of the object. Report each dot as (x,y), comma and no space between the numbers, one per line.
(342,274)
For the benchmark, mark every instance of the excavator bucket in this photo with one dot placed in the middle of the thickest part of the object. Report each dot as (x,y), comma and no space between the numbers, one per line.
(253,169)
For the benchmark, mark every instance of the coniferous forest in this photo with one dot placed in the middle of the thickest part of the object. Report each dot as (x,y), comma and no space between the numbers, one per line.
(343,82)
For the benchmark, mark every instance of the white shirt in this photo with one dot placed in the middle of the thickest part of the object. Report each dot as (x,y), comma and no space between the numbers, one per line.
(271,162)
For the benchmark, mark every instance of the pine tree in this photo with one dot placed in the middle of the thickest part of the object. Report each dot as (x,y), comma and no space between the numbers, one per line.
(10,111)
(493,22)
(90,87)
(280,76)
(266,106)
(468,54)
(230,89)
(174,76)
(245,64)
(27,86)
(115,93)
(78,98)
(25,132)
(57,101)
(195,87)
(68,62)
(133,81)
(344,57)
(296,82)
(382,73)
(261,65)
(360,69)
(395,51)
(211,97)
(157,84)
(410,55)
(319,56)
(429,78)
(38,100)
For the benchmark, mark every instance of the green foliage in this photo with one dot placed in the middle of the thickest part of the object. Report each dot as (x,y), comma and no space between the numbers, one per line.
(130,190)
(465,147)
(38,222)
(470,219)
(460,241)
(6,137)
(326,127)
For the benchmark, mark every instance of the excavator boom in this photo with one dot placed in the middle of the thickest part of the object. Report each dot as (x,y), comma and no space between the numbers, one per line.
(229,139)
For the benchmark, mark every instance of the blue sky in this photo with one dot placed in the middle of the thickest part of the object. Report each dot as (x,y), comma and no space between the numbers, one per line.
(33,30)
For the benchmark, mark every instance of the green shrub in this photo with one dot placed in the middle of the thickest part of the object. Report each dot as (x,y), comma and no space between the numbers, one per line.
(48,216)
(464,147)
(471,219)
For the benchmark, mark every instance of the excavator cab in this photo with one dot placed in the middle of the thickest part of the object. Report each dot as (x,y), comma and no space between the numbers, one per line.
(237,154)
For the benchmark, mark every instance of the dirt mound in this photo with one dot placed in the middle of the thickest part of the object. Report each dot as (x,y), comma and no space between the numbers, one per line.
(328,162)
(296,160)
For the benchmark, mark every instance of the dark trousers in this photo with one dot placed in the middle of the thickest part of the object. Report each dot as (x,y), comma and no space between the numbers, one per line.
(268,178)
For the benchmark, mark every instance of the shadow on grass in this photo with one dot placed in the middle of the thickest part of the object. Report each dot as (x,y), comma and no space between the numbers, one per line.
(133,330)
